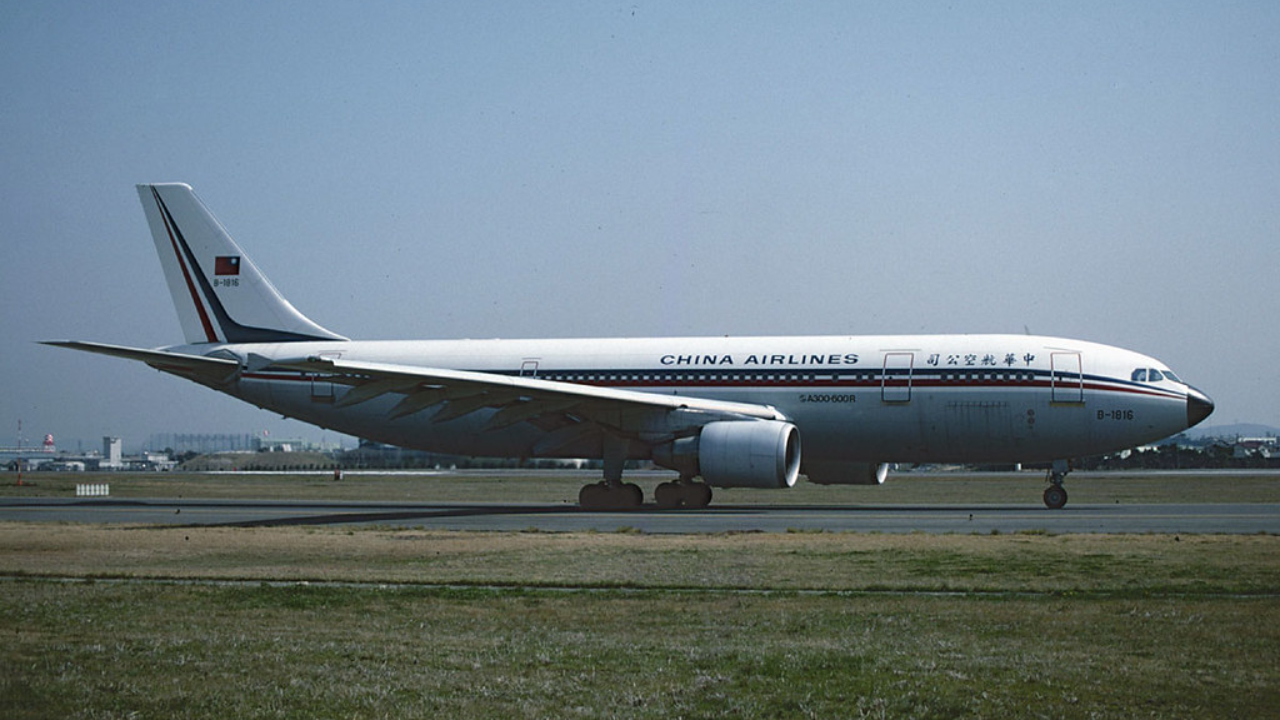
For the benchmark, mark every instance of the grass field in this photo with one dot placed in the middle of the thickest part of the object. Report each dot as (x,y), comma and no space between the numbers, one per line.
(107,622)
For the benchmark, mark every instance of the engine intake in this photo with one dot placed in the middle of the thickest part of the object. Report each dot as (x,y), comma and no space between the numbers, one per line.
(737,453)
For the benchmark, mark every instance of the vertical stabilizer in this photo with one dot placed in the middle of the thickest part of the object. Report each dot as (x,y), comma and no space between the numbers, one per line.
(220,295)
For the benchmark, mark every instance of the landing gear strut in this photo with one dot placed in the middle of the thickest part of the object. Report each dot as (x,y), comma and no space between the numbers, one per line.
(1055,496)
(612,493)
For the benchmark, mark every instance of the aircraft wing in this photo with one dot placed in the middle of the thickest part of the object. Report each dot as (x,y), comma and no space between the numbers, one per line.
(460,392)
(211,371)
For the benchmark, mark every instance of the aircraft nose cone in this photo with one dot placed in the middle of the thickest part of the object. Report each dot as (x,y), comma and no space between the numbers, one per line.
(1199,407)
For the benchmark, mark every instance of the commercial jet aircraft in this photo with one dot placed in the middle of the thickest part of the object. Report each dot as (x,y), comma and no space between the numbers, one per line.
(733,411)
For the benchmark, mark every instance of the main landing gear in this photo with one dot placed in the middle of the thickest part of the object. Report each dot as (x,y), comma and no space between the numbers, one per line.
(610,496)
(628,496)
(613,494)
(683,492)
(1055,496)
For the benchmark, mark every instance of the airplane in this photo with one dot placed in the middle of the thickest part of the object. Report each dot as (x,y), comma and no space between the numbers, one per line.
(726,412)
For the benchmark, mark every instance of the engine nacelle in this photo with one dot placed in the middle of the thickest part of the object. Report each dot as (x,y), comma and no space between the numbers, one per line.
(737,453)
(846,473)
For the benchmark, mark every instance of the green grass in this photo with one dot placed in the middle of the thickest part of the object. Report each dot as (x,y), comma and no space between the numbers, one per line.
(175,651)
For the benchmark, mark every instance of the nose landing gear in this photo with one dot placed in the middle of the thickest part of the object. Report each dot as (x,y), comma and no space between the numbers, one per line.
(1055,496)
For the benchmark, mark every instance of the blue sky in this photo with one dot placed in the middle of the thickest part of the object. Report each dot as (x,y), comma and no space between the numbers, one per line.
(1107,171)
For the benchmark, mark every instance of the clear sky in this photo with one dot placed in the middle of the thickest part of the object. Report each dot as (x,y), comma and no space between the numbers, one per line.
(1100,170)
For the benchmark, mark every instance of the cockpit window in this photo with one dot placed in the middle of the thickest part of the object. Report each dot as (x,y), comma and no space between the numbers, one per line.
(1154,375)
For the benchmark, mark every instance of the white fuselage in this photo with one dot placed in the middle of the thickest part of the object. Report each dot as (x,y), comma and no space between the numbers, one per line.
(906,399)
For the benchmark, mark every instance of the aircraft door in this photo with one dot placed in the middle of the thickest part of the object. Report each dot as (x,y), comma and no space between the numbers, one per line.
(895,381)
(1067,377)
(321,390)
(529,368)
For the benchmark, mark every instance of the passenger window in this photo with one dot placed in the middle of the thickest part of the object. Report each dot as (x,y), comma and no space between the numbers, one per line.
(1155,375)
(1140,375)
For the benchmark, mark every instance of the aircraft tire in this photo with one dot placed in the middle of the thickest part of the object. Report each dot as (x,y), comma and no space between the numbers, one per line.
(697,495)
(630,496)
(593,496)
(668,495)
(599,496)
(1055,496)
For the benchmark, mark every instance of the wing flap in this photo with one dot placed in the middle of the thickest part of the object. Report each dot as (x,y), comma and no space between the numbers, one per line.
(376,388)
(417,402)
(528,410)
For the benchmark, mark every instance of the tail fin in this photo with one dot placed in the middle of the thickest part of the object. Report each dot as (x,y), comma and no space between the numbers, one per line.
(221,296)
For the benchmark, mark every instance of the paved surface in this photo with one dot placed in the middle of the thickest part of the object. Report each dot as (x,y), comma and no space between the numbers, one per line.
(1199,518)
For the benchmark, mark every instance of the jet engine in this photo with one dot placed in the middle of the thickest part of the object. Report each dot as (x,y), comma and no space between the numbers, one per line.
(737,453)
(846,473)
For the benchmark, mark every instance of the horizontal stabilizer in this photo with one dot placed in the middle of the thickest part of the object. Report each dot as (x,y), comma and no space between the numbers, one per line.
(205,370)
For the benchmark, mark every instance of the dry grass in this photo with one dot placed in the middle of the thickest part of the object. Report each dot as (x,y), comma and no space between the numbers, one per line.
(802,561)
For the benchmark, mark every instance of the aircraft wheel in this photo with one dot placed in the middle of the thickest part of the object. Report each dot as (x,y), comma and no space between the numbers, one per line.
(697,495)
(668,495)
(1055,496)
(599,496)
(630,495)
(593,497)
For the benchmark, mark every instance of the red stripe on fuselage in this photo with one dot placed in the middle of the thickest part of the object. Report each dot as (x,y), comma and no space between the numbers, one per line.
(793,383)
(186,274)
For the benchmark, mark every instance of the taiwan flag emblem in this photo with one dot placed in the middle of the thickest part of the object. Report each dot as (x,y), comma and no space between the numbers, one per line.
(226,265)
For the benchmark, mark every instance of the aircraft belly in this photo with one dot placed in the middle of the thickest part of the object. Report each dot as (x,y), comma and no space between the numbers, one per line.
(934,426)
(988,429)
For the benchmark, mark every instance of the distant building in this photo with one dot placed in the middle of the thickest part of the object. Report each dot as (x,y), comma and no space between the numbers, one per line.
(1265,448)
(63,466)
(112,454)
(204,443)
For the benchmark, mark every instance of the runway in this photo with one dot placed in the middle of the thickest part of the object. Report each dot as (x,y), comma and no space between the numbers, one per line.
(1228,518)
